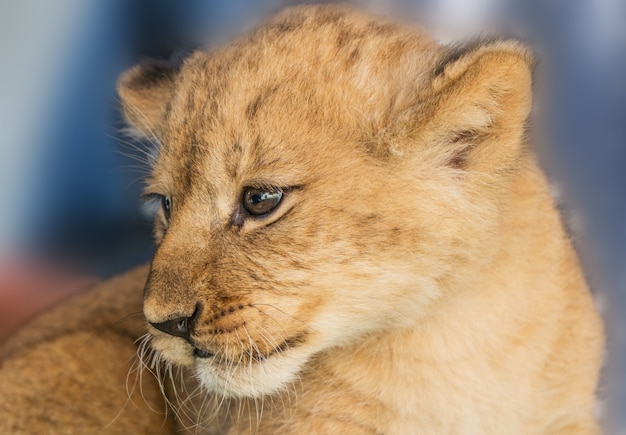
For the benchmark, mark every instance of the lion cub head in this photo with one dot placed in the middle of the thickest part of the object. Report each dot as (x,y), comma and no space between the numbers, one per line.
(328,176)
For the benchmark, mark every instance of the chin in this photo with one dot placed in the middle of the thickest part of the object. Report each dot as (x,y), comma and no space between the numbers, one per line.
(252,378)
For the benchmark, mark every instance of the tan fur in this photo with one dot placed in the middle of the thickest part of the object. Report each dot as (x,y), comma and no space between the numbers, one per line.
(415,277)
(74,370)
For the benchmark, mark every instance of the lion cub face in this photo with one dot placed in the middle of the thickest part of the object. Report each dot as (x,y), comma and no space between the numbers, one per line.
(318,183)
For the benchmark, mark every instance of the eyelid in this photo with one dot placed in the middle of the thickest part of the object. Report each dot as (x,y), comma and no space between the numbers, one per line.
(269,186)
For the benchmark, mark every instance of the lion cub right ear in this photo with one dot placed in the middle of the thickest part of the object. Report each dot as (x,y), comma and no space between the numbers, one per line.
(145,91)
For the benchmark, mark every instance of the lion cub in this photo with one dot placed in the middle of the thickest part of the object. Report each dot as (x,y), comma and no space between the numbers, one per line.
(354,237)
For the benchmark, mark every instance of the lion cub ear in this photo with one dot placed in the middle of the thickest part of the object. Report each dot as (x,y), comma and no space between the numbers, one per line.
(480,98)
(145,91)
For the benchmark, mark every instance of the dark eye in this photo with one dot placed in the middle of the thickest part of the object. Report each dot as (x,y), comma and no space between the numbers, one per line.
(166,204)
(258,202)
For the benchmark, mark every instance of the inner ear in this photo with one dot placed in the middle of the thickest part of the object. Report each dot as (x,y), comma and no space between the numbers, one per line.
(462,144)
(144,91)
(477,104)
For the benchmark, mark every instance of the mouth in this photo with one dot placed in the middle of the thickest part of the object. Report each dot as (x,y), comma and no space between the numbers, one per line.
(256,355)
(200,353)
(253,372)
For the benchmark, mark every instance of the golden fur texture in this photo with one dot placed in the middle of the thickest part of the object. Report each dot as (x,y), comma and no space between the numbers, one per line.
(74,370)
(414,277)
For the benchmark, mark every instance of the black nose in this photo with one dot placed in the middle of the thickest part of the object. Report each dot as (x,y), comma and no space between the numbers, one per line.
(177,327)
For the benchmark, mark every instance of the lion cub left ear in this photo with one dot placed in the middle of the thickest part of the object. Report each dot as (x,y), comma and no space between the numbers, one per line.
(480,98)
(144,91)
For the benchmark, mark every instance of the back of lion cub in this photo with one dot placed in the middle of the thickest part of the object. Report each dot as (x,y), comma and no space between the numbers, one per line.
(354,237)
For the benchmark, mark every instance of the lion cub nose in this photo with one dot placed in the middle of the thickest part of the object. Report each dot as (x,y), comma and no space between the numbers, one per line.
(177,327)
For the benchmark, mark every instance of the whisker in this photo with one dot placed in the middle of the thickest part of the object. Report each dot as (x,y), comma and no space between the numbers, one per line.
(257,305)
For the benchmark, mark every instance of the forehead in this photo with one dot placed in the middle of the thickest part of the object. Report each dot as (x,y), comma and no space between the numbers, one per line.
(245,130)
(297,89)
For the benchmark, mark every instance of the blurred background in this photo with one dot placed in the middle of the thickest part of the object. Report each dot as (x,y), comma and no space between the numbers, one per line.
(70,180)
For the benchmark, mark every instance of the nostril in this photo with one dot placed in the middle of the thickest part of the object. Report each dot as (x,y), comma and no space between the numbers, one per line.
(177,327)
(180,326)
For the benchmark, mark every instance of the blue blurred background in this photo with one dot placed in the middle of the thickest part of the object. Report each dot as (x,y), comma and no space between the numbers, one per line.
(69,185)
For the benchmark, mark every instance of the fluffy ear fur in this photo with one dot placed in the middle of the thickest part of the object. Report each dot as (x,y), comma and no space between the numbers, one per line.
(145,91)
(477,105)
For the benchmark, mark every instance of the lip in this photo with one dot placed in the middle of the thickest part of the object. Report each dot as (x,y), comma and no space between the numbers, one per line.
(199,353)
(286,345)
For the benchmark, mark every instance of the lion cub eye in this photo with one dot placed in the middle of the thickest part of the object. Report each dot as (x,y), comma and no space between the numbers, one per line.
(258,202)
(166,205)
